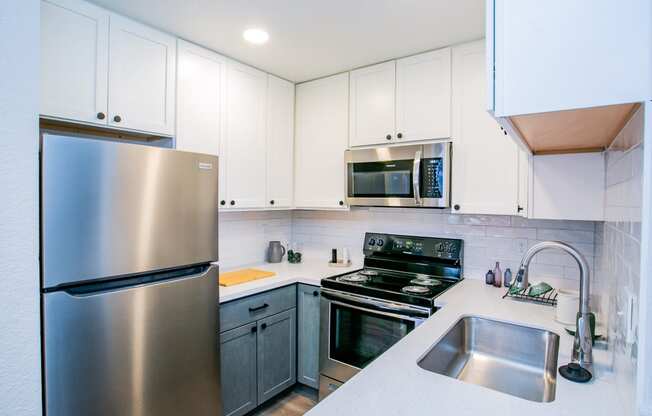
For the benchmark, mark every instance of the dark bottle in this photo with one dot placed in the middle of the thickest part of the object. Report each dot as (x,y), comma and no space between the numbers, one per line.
(489,278)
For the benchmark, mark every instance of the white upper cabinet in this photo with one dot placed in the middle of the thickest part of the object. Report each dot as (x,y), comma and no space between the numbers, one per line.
(485,178)
(400,101)
(100,68)
(280,140)
(373,97)
(423,96)
(200,98)
(141,77)
(245,137)
(560,54)
(320,142)
(74,61)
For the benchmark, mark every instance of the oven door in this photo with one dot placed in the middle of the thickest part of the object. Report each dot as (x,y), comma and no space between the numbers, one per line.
(355,330)
(387,176)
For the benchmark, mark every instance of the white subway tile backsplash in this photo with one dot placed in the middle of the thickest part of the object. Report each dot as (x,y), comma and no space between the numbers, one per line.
(511,232)
(487,238)
(618,252)
(569,236)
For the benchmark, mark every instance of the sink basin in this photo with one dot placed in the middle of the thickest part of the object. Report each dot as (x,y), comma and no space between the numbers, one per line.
(509,358)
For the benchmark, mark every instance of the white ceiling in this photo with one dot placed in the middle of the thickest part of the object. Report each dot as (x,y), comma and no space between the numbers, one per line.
(313,38)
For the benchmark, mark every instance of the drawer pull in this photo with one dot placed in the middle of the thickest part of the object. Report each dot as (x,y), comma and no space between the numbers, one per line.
(315,293)
(258,308)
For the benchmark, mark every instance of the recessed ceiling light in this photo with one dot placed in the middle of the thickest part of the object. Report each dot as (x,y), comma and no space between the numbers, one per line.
(256,36)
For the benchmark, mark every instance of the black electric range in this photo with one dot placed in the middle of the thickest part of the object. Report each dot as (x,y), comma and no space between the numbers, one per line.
(406,269)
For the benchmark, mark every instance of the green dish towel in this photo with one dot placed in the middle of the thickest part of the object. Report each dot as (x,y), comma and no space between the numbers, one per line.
(540,289)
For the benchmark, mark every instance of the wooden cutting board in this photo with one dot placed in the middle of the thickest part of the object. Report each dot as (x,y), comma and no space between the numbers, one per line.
(242,276)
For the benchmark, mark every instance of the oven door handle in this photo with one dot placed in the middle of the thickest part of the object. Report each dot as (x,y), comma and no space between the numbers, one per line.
(382,305)
(416,177)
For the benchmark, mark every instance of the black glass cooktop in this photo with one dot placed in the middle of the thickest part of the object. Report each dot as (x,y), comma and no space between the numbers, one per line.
(410,288)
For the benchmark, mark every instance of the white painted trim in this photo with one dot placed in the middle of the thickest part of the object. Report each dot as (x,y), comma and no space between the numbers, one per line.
(644,372)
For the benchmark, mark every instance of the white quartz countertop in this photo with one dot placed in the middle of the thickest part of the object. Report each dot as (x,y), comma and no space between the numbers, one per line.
(394,384)
(310,271)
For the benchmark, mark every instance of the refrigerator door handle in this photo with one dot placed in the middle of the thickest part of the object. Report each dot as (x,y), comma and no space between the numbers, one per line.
(99,288)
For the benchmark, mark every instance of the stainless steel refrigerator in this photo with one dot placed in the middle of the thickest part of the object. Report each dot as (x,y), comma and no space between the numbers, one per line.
(129,295)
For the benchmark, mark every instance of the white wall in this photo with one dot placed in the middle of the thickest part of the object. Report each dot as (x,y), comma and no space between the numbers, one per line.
(20,366)
(618,252)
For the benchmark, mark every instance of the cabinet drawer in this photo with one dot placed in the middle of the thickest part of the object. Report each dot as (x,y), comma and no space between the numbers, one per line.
(252,308)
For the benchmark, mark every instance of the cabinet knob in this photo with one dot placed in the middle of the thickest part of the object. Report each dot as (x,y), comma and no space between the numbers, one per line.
(341,203)
(456,207)
(519,208)
(400,135)
(222,202)
(232,202)
(388,137)
(263,326)
(254,329)
(117,118)
(101,116)
(271,202)
(315,293)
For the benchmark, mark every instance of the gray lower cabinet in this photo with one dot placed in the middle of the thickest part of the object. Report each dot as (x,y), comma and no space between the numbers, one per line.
(238,374)
(258,349)
(276,354)
(308,335)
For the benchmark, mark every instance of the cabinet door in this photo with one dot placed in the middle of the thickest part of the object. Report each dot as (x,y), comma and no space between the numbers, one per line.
(200,96)
(549,56)
(74,61)
(141,77)
(485,162)
(245,150)
(373,98)
(276,354)
(320,142)
(280,142)
(238,370)
(308,335)
(423,96)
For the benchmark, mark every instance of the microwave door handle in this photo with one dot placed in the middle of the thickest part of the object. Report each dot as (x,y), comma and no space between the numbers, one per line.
(416,177)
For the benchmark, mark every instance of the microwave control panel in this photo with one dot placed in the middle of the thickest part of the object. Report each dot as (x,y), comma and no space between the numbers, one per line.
(432,178)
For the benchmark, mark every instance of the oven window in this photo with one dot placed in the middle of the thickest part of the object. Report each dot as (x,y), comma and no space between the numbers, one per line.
(381,179)
(357,337)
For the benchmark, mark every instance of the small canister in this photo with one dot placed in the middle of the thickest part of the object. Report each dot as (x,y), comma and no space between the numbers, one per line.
(567,306)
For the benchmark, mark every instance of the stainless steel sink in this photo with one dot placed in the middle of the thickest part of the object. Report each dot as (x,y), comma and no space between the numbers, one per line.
(509,358)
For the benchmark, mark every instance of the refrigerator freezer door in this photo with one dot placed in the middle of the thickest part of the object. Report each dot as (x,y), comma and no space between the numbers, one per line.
(113,209)
(143,350)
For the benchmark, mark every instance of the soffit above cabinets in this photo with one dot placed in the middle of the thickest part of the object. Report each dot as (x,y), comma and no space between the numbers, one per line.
(572,131)
(311,38)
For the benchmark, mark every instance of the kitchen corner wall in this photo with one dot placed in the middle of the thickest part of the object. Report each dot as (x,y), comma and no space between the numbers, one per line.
(243,236)
(618,253)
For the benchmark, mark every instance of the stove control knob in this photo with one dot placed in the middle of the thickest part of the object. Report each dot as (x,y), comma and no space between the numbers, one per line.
(372,242)
(380,243)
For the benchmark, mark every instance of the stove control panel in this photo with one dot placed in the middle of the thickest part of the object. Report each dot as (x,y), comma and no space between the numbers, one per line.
(431,247)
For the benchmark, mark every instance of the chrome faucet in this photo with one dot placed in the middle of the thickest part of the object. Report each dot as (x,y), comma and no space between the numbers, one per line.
(581,367)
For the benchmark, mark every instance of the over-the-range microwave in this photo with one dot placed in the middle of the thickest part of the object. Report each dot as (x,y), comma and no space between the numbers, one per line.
(403,176)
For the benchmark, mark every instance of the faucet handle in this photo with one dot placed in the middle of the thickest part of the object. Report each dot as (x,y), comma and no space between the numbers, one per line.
(521,280)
